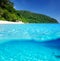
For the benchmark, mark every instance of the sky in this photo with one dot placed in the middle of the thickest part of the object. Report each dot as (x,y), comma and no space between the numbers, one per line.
(46,7)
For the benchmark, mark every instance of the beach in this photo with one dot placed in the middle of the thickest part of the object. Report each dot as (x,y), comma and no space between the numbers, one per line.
(8,22)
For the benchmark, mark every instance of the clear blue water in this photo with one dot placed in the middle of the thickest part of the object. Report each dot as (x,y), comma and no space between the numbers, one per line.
(30,42)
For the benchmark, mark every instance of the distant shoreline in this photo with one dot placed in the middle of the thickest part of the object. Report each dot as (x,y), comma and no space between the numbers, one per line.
(8,22)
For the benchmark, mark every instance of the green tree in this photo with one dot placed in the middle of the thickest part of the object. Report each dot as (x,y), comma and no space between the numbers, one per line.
(3,3)
(1,12)
(9,16)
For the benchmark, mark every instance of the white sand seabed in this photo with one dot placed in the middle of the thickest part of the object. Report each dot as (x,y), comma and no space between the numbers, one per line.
(8,22)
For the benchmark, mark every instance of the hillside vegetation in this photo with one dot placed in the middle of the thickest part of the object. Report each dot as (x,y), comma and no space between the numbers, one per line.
(9,13)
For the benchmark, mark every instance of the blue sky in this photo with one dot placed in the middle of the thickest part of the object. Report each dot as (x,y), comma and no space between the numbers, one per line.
(47,7)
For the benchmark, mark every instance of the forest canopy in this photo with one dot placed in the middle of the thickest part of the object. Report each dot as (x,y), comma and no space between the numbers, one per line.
(9,13)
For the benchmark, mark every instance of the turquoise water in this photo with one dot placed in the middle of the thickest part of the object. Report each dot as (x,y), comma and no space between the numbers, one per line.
(30,42)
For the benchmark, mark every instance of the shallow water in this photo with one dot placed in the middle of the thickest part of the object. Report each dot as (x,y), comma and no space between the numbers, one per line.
(30,42)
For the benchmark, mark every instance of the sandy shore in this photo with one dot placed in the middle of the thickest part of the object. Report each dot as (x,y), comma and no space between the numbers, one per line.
(8,22)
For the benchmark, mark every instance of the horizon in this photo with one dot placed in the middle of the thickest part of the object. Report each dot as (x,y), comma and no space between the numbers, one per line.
(46,7)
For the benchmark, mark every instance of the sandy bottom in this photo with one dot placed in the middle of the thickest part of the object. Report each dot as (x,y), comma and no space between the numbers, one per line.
(26,51)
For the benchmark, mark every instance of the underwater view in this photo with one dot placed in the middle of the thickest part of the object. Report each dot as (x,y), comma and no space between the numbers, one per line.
(30,42)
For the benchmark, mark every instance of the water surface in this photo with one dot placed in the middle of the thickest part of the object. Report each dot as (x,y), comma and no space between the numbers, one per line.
(30,42)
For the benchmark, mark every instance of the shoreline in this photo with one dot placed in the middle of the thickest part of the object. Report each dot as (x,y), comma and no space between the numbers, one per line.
(8,22)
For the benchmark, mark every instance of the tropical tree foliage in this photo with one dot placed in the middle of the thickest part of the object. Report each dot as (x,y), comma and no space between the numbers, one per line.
(30,17)
(9,13)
